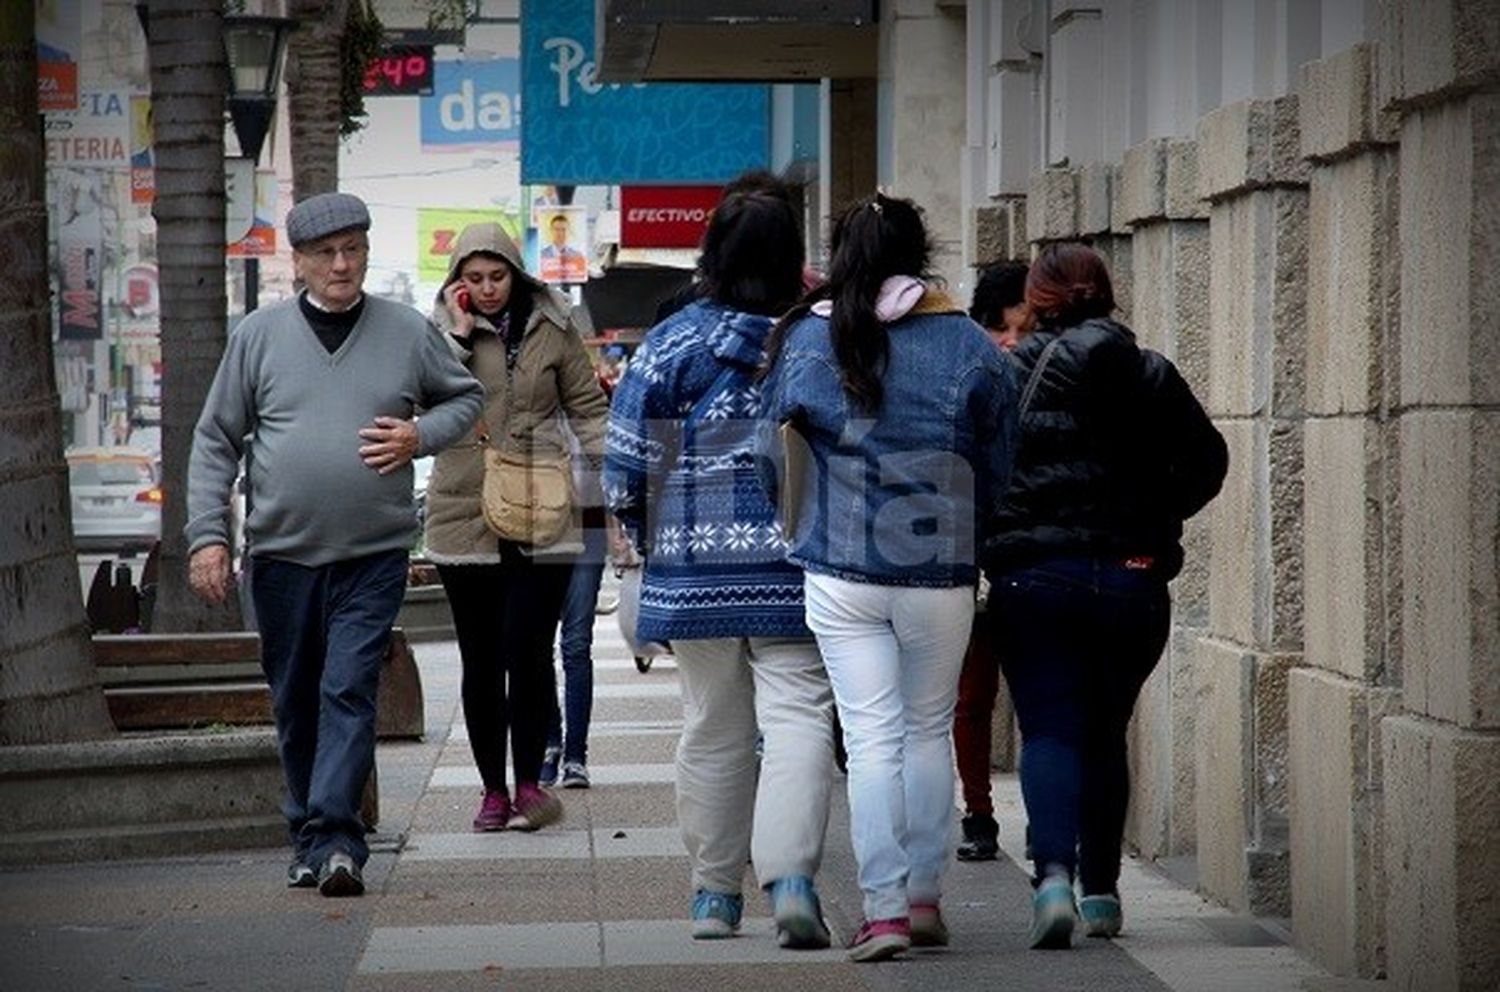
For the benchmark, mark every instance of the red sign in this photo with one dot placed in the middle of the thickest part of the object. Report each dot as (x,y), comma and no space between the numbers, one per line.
(665,216)
(57,86)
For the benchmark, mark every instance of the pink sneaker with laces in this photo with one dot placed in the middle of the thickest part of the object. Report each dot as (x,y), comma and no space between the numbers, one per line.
(880,940)
(494,811)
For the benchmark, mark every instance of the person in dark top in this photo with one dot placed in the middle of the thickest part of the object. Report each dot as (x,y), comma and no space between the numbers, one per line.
(998,306)
(1115,454)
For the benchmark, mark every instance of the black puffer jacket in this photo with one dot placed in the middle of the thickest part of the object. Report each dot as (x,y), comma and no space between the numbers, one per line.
(1115,453)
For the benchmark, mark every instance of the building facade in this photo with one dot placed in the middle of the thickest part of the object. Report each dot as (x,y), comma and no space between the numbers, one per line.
(1300,202)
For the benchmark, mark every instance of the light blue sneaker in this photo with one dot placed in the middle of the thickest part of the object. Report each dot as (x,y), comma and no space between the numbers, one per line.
(798,913)
(1052,914)
(716,915)
(1101,915)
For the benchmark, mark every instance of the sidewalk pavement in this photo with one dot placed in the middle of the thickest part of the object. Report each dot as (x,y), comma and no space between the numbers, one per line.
(598,902)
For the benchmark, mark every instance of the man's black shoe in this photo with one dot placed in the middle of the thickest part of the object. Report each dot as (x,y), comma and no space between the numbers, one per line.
(340,877)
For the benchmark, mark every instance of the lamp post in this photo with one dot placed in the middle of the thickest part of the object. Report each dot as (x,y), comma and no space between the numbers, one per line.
(254,47)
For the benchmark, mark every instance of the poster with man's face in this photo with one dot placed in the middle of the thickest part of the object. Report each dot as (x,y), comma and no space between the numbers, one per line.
(563,234)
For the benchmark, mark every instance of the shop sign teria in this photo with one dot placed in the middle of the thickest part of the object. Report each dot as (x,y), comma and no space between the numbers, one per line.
(665,216)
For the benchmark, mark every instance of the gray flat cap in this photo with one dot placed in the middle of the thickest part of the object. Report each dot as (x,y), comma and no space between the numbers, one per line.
(327,213)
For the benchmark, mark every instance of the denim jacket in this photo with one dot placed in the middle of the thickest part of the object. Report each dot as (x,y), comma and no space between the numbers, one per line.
(904,495)
(679,473)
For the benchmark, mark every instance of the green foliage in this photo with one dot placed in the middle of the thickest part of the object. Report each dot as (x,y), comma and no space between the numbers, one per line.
(447,14)
(361,43)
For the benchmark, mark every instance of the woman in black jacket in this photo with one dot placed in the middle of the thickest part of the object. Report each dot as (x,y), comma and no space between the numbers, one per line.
(1115,454)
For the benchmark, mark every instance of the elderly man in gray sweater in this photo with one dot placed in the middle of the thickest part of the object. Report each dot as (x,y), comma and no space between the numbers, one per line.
(327,388)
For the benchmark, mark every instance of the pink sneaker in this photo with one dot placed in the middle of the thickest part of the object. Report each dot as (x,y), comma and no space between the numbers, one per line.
(927,926)
(880,940)
(534,808)
(494,811)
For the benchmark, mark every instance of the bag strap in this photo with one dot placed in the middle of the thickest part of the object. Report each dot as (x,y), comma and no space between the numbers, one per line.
(1035,380)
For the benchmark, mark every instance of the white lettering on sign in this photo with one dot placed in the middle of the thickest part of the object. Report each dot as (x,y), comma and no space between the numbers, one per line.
(572,68)
(668,215)
(462,111)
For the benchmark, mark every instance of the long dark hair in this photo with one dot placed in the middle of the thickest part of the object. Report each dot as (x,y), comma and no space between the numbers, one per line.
(1068,284)
(873,240)
(752,254)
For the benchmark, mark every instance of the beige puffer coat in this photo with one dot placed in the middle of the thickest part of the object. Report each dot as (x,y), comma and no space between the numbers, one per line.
(553,377)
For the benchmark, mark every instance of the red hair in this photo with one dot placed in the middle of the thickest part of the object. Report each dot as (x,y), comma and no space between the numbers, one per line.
(1068,284)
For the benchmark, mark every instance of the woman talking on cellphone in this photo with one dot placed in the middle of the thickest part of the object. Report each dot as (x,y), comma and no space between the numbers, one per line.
(514,334)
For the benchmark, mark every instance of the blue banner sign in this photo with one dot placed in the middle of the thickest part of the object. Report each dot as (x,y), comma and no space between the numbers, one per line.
(473,105)
(582,132)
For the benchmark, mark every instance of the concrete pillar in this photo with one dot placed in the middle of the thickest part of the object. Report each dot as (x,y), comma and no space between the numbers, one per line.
(1157,238)
(922,126)
(1250,170)
(848,167)
(1439,71)
(1351,580)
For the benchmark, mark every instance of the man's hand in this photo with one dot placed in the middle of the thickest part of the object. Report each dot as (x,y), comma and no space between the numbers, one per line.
(393,443)
(208,573)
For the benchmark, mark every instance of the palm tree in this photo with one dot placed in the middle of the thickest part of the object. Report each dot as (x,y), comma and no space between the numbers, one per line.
(314,87)
(189,79)
(49,691)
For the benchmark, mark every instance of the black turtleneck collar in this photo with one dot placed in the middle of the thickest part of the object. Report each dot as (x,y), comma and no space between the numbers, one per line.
(331,327)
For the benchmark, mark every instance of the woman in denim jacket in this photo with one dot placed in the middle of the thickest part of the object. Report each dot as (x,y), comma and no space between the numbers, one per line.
(907,414)
(679,473)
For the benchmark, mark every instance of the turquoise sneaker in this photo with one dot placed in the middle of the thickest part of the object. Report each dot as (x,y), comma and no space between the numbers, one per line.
(1052,914)
(716,915)
(798,913)
(1101,915)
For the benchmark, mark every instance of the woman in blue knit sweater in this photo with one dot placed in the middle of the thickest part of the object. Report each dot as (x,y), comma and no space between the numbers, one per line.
(680,475)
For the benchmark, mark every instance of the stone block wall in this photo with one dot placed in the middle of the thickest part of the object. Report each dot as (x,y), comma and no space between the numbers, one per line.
(1352,585)
(1437,83)
(1158,242)
(1253,180)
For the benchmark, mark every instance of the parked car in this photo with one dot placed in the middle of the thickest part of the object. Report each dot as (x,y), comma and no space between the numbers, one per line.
(117,498)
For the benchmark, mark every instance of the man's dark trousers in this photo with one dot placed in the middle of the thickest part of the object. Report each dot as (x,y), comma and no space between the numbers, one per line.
(324,631)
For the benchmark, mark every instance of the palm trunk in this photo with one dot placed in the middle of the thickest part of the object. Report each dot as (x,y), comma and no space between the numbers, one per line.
(188,86)
(49,691)
(314,70)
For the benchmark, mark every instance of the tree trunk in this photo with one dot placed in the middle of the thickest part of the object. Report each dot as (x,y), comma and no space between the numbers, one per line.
(188,86)
(314,68)
(49,690)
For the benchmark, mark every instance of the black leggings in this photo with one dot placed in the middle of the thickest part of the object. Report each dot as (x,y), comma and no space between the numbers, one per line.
(505,615)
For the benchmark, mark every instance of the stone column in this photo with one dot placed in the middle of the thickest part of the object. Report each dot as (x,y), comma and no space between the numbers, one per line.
(1161,271)
(922,125)
(1439,70)
(1351,588)
(1251,171)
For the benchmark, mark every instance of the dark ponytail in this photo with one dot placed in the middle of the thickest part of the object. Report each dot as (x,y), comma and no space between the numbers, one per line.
(873,240)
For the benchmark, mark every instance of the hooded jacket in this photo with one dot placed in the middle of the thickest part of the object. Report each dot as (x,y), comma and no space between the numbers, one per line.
(679,473)
(552,378)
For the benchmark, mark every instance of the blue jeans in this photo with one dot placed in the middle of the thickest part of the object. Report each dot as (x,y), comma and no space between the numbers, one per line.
(577,647)
(323,635)
(1077,639)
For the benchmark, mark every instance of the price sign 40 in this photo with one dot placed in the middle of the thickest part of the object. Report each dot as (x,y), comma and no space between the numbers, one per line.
(400,70)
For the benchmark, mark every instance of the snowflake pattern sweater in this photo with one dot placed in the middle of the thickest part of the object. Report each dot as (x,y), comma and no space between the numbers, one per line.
(679,473)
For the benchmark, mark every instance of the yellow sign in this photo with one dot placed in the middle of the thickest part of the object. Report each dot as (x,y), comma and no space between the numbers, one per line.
(437,230)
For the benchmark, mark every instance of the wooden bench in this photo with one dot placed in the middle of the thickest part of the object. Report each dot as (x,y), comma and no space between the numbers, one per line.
(184,681)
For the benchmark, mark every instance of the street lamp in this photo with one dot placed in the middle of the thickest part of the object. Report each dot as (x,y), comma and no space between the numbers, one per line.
(253,46)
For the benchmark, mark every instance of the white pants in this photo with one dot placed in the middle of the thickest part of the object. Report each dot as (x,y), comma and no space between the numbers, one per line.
(729,687)
(893,655)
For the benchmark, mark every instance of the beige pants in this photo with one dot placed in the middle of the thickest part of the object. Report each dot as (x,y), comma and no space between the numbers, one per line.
(732,688)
